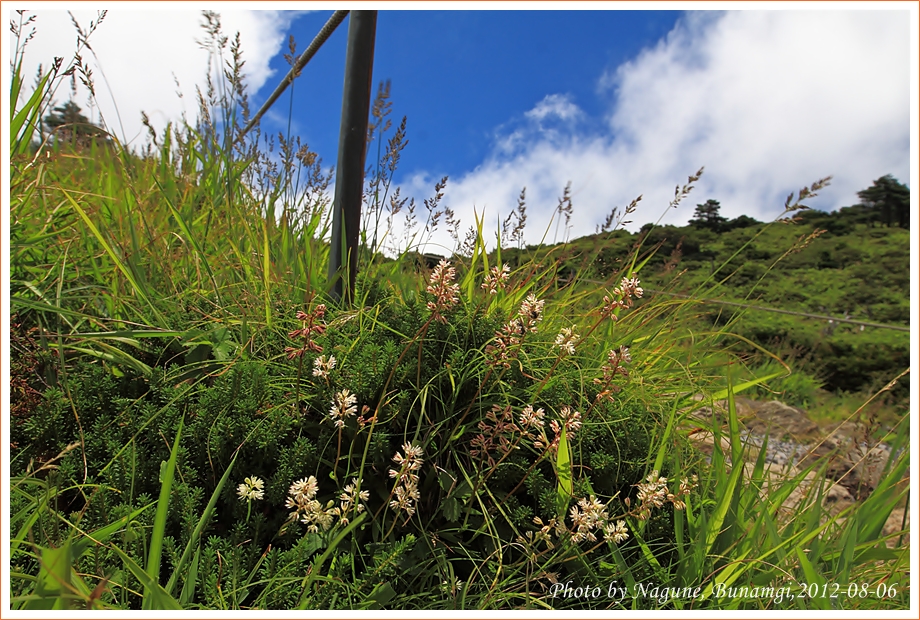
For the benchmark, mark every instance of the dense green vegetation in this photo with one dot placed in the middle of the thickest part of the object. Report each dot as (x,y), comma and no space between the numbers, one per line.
(850,263)
(196,424)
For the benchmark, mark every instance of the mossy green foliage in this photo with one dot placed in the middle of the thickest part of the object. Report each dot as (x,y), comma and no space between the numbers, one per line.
(251,408)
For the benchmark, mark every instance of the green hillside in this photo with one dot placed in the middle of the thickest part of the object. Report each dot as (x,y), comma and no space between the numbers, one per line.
(851,263)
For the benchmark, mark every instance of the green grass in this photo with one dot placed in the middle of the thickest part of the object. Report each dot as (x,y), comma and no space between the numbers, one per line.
(850,269)
(170,308)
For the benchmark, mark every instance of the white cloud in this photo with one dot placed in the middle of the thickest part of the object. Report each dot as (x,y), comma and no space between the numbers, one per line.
(767,101)
(556,105)
(140,54)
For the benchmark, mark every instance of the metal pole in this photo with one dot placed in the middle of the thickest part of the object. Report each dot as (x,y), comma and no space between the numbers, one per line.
(349,176)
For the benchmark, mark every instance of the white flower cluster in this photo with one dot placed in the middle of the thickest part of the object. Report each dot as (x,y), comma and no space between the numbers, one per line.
(322,367)
(350,499)
(406,490)
(567,339)
(530,314)
(624,294)
(445,291)
(302,498)
(589,518)
(653,493)
(496,279)
(251,488)
(344,405)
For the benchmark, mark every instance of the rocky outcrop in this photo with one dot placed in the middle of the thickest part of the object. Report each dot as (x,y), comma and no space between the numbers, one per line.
(777,419)
(852,463)
(853,459)
(834,497)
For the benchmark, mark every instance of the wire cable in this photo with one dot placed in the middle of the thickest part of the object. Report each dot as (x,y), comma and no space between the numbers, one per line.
(829,319)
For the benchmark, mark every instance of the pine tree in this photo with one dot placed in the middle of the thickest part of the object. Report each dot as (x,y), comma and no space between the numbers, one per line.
(69,124)
(707,216)
(889,201)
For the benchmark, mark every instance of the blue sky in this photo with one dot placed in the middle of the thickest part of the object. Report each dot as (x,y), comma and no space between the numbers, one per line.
(461,76)
(619,103)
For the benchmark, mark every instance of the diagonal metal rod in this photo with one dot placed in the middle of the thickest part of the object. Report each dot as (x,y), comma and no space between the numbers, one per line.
(325,32)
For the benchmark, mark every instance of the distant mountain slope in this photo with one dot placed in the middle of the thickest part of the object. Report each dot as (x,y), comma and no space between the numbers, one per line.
(851,263)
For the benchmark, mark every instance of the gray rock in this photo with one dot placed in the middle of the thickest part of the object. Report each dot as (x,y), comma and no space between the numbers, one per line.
(854,467)
(854,464)
(780,420)
(894,524)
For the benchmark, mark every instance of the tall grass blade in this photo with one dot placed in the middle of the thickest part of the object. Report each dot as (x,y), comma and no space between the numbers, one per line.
(24,122)
(812,577)
(874,511)
(199,254)
(194,540)
(721,394)
(114,356)
(188,588)
(102,534)
(34,512)
(318,564)
(155,597)
(665,438)
(54,585)
(159,523)
(112,255)
(726,493)
(564,475)
(266,274)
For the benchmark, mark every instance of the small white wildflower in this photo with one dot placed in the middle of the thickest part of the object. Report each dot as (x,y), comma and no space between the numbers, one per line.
(322,366)
(306,508)
(587,516)
(566,340)
(530,418)
(688,485)
(310,512)
(350,498)
(653,493)
(571,418)
(405,499)
(630,287)
(412,453)
(304,489)
(324,518)
(532,311)
(251,488)
(343,406)
(616,533)
(406,490)
(496,279)
(442,287)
